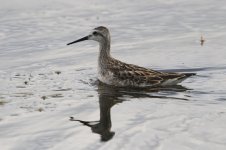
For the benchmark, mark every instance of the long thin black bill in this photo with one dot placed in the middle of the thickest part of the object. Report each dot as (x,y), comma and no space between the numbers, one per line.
(79,40)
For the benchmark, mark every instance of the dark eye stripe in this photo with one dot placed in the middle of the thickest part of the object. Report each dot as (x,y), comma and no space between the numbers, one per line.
(95,33)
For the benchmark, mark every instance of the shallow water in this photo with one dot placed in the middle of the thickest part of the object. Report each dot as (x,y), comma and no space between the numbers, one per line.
(44,82)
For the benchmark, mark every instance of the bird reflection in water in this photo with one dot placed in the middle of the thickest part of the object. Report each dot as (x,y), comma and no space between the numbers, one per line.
(109,96)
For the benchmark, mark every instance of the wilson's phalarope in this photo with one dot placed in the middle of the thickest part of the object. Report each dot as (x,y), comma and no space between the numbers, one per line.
(114,72)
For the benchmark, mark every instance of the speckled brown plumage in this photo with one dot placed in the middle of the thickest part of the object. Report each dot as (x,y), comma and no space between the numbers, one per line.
(140,75)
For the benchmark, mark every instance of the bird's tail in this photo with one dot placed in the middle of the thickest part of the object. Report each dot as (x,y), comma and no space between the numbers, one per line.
(185,77)
(189,74)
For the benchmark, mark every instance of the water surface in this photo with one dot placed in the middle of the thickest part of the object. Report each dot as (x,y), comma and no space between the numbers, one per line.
(44,82)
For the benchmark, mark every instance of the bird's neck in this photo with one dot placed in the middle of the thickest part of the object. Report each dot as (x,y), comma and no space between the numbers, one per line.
(104,53)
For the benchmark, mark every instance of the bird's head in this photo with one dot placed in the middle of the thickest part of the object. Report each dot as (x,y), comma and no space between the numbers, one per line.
(99,34)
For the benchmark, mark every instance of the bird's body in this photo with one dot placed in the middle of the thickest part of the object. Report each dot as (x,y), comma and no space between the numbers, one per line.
(114,72)
(117,73)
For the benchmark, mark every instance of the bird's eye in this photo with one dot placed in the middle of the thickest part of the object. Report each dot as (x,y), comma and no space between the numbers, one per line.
(95,33)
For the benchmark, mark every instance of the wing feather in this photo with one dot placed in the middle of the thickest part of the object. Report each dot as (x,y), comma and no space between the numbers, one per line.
(141,75)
